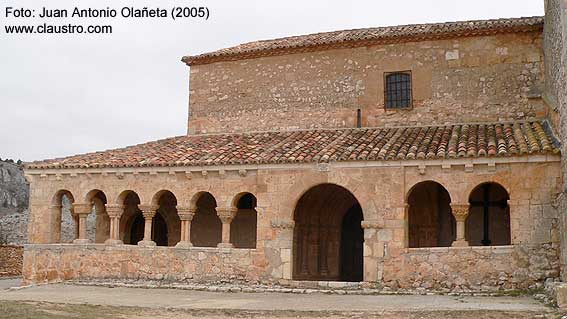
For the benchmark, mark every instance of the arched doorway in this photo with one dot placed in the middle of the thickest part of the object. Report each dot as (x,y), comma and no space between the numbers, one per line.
(430,221)
(488,223)
(328,238)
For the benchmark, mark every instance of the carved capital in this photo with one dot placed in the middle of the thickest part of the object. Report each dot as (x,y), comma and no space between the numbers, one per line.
(376,224)
(226,215)
(82,208)
(149,211)
(282,223)
(460,211)
(185,213)
(114,210)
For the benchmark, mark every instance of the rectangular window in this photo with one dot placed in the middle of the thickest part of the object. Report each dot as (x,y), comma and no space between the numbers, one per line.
(397,90)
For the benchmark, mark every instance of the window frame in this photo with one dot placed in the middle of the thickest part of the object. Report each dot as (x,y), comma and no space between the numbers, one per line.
(410,105)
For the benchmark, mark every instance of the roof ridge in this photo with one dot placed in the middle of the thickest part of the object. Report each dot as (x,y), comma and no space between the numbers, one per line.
(322,40)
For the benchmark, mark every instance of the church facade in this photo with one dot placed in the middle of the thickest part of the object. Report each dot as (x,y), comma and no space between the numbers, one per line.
(403,157)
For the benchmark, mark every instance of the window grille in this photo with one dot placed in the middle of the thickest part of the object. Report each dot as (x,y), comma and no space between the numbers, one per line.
(398,90)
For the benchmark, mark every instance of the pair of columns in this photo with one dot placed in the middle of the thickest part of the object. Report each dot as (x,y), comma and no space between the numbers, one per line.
(186,215)
(149,211)
(460,212)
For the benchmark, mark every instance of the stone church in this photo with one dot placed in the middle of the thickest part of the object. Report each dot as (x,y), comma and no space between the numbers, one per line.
(403,157)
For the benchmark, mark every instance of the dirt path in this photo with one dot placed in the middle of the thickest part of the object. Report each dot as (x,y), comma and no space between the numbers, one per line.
(61,301)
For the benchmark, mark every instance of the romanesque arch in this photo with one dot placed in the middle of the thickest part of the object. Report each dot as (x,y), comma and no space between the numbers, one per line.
(132,220)
(64,224)
(328,237)
(430,221)
(243,226)
(98,225)
(166,223)
(206,226)
(488,222)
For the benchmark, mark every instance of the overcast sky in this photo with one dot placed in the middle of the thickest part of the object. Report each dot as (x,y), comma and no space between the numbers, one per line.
(68,94)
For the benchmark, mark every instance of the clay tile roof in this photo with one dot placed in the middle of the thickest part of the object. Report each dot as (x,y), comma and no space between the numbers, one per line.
(326,145)
(368,36)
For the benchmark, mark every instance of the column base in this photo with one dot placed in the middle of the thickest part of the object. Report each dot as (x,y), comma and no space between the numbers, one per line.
(81,241)
(460,243)
(147,243)
(183,244)
(113,242)
(225,245)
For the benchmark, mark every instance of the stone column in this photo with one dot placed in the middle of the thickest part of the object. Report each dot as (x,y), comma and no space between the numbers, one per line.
(55,226)
(114,213)
(82,211)
(148,211)
(226,216)
(460,211)
(186,216)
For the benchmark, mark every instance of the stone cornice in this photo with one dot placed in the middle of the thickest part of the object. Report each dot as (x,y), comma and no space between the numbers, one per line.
(120,172)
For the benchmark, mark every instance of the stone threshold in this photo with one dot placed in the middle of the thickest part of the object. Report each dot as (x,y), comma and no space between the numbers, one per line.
(294,287)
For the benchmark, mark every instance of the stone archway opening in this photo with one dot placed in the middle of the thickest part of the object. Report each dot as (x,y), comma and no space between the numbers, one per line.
(98,224)
(206,226)
(132,220)
(430,221)
(65,224)
(328,236)
(166,225)
(488,222)
(244,225)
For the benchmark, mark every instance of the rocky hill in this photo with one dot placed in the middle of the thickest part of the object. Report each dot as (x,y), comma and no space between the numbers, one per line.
(14,194)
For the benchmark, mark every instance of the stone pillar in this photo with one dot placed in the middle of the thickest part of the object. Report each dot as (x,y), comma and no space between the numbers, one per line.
(114,213)
(374,251)
(460,211)
(186,216)
(82,211)
(55,226)
(148,211)
(226,216)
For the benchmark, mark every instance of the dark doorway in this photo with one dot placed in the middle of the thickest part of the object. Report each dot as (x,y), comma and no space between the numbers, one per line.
(328,237)
(352,238)
(159,231)
(137,230)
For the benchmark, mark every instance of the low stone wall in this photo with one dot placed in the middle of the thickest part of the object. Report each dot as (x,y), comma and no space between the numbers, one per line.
(52,263)
(473,268)
(11,258)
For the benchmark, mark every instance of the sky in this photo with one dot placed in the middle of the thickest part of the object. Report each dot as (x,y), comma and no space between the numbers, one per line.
(66,94)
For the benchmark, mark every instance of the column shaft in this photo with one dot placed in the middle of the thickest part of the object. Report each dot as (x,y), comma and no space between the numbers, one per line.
(186,216)
(226,216)
(460,211)
(148,211)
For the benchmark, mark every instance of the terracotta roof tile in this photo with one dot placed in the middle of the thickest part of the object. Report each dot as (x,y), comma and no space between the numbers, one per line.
(325,145)
(367,36)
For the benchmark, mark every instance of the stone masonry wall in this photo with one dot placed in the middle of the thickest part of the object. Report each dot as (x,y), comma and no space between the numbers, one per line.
(555,54)
(486,78)
(50,263)
(473,268)
(11,259)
